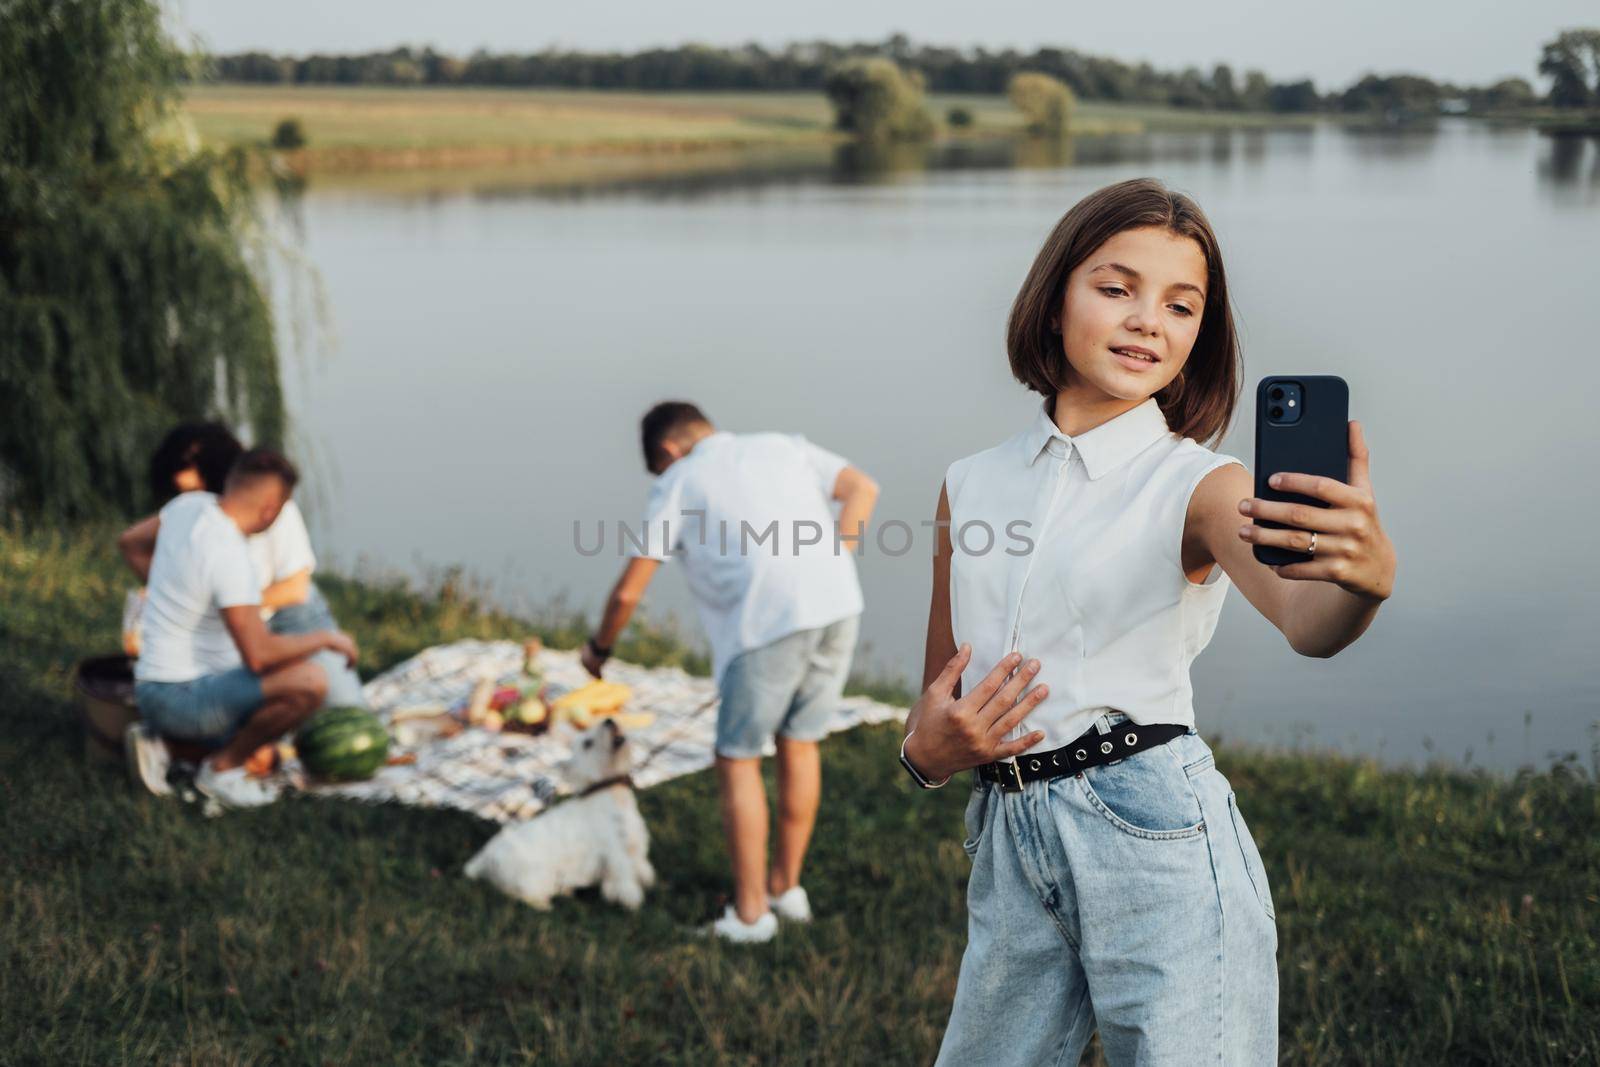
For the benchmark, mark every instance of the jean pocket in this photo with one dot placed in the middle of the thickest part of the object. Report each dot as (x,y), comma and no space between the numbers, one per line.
(973,819)
(1146,795)
(1252,858)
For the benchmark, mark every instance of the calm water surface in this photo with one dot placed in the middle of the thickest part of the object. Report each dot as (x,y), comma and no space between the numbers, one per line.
(496,347)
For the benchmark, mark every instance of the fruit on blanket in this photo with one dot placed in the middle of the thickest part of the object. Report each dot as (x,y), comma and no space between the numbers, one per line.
(588,704)
(342,744)
(262,762)
(418,711)
(529,711)
(420,730)
(478,704)
(632,720)
(504,697)
(596,698)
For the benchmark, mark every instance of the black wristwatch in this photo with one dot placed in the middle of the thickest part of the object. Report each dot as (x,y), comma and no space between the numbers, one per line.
(603,653)
(916,775)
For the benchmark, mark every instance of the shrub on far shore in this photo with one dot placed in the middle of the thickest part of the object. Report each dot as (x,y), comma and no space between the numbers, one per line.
(289,135)
(1046,103)
(875,99)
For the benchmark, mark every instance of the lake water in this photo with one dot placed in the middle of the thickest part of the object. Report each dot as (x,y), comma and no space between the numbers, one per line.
(495,347)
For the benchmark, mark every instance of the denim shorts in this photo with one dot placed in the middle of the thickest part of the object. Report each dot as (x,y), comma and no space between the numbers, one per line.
(209,708)
(790,687)
(344,684)
(1128,898)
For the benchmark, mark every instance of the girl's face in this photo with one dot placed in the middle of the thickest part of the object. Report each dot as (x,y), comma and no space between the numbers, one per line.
(1131,312)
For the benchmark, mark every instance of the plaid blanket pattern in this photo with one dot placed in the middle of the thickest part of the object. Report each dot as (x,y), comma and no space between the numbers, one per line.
(509,776)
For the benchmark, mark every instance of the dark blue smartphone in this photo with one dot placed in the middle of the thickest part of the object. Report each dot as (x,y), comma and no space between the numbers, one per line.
(1302,426)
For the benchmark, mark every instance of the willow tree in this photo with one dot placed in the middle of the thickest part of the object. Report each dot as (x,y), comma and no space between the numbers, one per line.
(128,300)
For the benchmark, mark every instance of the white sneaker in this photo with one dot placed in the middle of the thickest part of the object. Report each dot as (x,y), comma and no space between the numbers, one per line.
(794,905)
(148,759)
(235,788)
(732,928)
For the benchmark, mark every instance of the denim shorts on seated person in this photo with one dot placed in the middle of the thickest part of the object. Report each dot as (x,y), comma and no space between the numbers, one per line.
(313,614)
(1128,899)
(210,709)
(790,687)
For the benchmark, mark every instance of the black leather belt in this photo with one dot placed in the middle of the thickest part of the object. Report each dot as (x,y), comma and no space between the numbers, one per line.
(1091,749)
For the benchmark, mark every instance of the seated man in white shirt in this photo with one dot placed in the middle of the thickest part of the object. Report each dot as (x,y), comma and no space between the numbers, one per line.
(770,569)
(198,455)
(209,670)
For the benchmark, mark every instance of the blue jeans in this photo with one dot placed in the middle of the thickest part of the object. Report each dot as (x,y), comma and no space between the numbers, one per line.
(1129,898)
(790,687)
(309,616)
(208,709)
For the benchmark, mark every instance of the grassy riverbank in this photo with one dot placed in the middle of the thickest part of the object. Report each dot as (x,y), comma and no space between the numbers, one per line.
(1431,917)
(373,128)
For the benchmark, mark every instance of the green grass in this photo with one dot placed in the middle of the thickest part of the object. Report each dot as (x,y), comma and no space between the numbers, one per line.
(384,118)
(1432,917)
(363,128)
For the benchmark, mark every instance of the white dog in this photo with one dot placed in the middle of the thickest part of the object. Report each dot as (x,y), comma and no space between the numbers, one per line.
(596,837)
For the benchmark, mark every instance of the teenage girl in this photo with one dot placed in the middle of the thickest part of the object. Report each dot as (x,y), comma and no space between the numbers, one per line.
(1114,883)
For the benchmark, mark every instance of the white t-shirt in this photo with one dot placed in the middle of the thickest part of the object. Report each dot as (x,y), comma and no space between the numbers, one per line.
(1093,584)
(282,549)
(758,543)
(201,566)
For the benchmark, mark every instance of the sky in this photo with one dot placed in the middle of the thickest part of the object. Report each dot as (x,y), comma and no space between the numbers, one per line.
(1333,42)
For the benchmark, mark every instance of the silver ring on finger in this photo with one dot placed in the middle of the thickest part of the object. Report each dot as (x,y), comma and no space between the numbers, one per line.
(1312,551)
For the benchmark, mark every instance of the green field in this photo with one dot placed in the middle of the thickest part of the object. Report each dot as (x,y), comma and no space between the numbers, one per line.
(357,128)
(1424,917)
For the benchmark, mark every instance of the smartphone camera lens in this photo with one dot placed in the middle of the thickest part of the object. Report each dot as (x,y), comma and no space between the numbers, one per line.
(1277,412)
(1276,392)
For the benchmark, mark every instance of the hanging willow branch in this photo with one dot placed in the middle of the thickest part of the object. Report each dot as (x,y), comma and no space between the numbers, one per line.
(126,301)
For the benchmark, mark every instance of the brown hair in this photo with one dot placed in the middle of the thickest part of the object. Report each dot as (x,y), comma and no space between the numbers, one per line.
(258,463)
(666,419)
(209,447)
(1200,402)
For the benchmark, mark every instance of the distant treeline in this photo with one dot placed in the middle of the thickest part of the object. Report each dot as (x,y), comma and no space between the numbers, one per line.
(805,67)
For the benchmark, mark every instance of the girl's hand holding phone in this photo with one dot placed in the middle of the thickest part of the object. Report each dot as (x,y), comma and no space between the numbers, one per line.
(1351,549)
(950,734)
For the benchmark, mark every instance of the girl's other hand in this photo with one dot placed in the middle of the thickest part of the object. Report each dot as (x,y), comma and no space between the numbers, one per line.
(1353,552)
(953,734)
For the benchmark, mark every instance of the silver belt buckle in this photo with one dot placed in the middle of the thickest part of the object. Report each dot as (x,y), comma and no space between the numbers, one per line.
(1010,773)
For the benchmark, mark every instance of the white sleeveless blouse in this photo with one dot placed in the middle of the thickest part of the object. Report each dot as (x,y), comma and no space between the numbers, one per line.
(1085,568)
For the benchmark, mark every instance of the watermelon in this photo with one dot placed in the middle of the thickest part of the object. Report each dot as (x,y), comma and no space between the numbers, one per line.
(343,744)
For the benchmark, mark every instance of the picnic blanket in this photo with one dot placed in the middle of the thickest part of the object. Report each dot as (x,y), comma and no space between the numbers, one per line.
(506,776)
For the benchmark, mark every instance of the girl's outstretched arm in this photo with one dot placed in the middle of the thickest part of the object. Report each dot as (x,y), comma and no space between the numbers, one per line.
(1326,602)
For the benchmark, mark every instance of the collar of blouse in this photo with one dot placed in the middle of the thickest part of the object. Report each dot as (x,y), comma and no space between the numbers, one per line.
(1104,448)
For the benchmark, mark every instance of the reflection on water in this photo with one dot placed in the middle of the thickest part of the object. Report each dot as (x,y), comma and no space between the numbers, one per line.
(1414,141)
(1566,160)
(1571,159)
(874,162)
(500,338)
